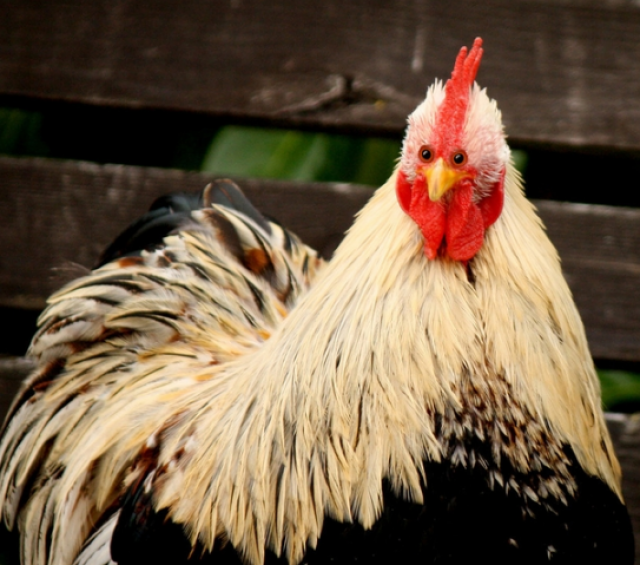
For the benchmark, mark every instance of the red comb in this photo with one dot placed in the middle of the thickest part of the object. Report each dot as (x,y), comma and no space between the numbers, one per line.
(452,111)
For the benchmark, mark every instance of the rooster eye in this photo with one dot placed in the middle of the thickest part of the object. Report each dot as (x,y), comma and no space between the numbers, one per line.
(426,155)
(459,158)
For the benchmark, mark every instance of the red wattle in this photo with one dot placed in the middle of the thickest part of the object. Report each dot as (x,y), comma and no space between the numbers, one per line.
(463,222)
(429,216)
(465,225)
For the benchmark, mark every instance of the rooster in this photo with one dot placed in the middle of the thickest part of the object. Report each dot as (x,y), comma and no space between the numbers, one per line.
(214,391)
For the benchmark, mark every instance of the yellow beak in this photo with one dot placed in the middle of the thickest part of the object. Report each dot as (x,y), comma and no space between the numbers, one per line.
(440,178)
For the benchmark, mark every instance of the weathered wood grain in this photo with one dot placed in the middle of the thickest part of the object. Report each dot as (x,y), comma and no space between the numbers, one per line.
(564,72)
(600,251)
(58,216)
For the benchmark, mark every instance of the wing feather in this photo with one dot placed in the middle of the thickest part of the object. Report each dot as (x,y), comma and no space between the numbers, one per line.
(194,287)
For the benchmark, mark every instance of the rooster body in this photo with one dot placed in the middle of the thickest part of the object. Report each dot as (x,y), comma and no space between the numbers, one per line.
(427,396)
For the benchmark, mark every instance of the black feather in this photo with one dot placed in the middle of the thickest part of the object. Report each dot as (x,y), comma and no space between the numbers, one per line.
(227,193)
(145,233)
(143,535)
(172,212)
(462,521)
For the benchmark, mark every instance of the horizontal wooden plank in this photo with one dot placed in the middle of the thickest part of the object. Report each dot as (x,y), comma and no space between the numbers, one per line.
(563,72)
(600,251)
(60,215)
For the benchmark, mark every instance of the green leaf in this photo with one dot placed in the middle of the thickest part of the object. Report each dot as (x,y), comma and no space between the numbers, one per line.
(294,155)
(21,133)
(520,159)
(620,390)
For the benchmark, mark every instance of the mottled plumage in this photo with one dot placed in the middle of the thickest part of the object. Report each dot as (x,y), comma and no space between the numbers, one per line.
(225,395)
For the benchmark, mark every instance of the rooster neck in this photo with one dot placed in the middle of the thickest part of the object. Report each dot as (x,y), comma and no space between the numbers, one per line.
(438,337)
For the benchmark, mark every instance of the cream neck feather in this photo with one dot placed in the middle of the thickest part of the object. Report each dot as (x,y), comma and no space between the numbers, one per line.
(345,392)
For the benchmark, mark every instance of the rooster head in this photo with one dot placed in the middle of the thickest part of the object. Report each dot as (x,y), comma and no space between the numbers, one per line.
(453,163)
